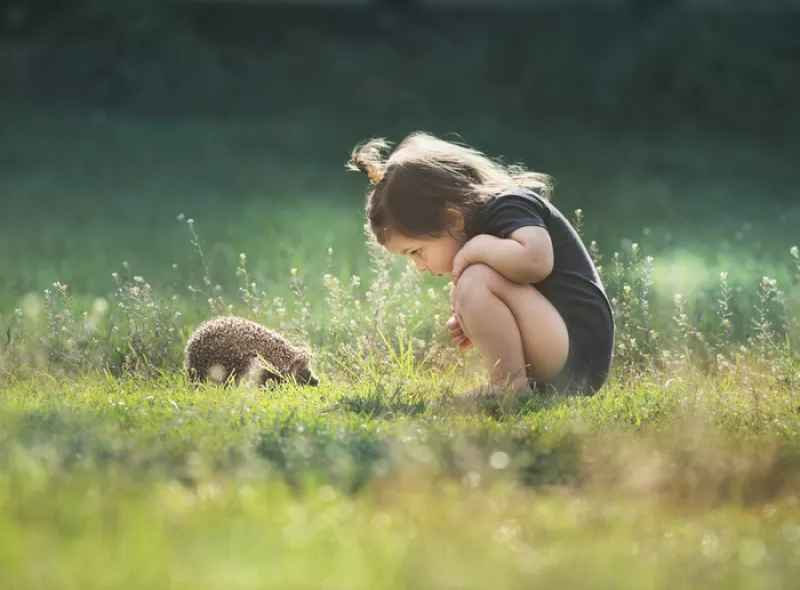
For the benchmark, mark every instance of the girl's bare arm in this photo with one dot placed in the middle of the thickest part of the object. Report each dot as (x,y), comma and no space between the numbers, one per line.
(526,256)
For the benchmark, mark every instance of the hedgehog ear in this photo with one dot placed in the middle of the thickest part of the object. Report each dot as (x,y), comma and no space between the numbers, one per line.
(303,355)
(301,361)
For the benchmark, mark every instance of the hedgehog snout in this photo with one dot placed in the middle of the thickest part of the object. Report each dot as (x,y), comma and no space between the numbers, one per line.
(301,368)
(304,376)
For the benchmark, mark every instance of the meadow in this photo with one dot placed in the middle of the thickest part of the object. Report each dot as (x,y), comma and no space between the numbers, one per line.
(119,234)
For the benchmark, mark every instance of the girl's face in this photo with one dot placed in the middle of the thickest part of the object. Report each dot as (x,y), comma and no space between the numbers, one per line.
(434,255)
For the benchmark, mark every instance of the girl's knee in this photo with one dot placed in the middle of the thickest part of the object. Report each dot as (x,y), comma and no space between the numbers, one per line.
(475,284)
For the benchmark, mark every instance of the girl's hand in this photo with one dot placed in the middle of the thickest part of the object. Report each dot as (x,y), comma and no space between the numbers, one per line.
(459,264)
(462,343)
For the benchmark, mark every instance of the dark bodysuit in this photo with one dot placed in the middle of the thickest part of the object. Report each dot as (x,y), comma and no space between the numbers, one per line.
(574,288)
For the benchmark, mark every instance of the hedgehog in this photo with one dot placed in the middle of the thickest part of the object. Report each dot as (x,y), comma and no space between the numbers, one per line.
(249,352)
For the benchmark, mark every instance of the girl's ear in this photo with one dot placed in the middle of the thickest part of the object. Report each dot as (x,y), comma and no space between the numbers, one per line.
(454,220)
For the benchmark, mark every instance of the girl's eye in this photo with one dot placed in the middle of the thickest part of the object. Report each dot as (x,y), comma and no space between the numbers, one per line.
(415,252)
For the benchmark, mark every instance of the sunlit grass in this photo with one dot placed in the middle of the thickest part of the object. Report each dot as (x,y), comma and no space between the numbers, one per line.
(156,484)
(115,471)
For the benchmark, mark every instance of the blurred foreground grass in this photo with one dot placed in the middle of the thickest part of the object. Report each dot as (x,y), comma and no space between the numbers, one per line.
(680,484)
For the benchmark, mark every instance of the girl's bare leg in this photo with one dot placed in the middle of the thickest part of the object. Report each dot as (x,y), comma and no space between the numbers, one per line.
(517,331)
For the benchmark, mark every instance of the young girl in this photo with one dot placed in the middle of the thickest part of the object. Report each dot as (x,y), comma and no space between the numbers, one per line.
(526,293)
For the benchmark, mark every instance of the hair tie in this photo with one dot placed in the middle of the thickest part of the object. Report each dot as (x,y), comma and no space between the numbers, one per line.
(374,174)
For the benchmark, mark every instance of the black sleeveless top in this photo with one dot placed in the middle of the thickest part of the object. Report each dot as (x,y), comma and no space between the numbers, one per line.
(573,287)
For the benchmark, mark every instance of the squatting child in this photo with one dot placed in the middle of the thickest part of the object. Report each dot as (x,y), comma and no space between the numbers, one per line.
(526,294)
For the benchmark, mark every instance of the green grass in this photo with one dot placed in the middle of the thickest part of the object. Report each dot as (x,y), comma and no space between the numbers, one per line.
(155,484)
(116,472)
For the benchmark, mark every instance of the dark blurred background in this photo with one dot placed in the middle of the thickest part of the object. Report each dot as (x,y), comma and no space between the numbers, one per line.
(727,64)
(672,123)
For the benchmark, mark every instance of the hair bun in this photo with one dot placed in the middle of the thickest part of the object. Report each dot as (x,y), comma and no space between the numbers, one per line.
(369,159)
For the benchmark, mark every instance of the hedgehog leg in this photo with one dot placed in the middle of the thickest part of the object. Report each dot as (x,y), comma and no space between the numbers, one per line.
(269,378)
(219,374)
(196,374)
(257,372)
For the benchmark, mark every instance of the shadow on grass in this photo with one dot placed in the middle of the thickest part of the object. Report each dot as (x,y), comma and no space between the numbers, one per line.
(352,456)
(499,407)
(381,405)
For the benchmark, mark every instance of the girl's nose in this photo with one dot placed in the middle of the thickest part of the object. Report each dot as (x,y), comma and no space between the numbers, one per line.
(419,265)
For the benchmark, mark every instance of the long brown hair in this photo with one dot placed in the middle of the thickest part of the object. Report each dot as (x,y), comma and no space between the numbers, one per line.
(413,186)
